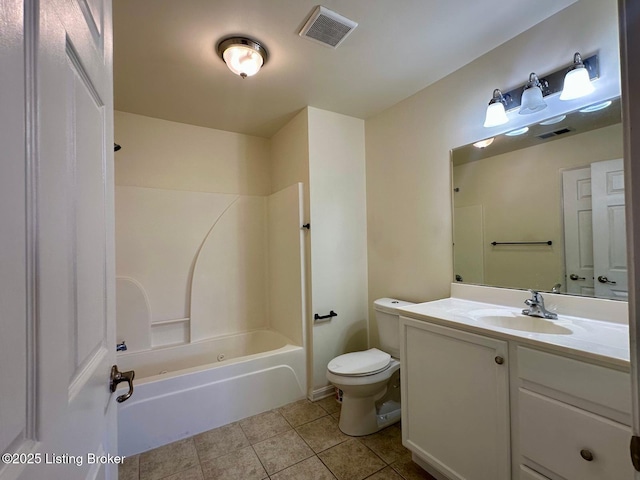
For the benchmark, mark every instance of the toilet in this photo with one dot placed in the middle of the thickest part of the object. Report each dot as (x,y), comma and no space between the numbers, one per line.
(370,380)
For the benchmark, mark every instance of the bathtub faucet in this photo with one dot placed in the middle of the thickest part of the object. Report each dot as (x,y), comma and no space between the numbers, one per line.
(121,347)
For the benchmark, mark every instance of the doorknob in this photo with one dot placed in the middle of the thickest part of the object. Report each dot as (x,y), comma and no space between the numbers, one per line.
(117,377)
(603,279)
(573,276)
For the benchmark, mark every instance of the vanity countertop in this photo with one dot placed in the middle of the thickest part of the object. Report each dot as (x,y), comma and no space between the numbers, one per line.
(600,341)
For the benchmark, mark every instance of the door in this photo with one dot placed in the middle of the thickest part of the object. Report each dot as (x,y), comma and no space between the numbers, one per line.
(578,231)
(57,201)
(629,12)
(609,236)
(594,230)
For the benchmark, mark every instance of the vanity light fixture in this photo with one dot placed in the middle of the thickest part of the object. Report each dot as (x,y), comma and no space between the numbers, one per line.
(532,100)
(243,56)
(496,114)
(577,83)
(483,143)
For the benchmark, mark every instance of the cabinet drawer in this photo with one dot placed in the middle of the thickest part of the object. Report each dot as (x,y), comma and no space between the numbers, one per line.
(599,385)
(527,474)
(552,434)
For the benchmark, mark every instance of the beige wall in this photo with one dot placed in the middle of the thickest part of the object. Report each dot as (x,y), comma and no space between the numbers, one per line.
(325,151)
(521,196)
(408,168)
(289,156)
(161,154)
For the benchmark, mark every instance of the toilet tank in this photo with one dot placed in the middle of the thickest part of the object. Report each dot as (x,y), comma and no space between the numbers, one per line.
(388,321)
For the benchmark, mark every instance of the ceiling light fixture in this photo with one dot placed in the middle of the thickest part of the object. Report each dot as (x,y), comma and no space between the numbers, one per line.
(242,55)
(496,114)
(532,100)
(577,83)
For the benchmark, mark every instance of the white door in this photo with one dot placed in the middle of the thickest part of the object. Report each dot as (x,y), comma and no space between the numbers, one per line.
(57,271)
(629,21)
(578,231)
(609,234)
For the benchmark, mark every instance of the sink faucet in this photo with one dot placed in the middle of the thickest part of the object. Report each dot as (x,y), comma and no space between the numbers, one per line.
(536,304)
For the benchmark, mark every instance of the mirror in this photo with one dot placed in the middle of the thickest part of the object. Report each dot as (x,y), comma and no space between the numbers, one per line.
(545,209)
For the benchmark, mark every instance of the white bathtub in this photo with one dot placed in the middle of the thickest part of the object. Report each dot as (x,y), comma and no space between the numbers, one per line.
(259,371)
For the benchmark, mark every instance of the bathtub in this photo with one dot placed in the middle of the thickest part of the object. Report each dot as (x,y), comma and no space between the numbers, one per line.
(187,389)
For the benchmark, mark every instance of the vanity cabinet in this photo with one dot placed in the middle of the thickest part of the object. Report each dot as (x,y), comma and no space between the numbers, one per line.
(455,413)
(572,417)
(479,407)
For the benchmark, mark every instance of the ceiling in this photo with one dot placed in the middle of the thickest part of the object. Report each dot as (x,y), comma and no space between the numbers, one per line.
(165,65)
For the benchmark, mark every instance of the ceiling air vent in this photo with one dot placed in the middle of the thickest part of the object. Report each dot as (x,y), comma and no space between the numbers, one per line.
(327,27)
(544,136)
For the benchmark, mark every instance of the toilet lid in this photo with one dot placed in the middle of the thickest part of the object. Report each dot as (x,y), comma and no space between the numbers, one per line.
(360,363)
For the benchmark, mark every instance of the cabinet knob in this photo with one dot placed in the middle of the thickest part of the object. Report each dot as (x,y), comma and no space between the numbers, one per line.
(499,360)
(586,454)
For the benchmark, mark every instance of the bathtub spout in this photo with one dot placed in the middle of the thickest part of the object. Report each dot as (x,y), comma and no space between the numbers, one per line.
(121,347)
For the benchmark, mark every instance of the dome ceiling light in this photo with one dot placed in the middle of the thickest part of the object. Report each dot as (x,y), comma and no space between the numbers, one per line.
(243,56)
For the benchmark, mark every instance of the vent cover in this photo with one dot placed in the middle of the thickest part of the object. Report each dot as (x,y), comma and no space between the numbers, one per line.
(562,131)
(327,27)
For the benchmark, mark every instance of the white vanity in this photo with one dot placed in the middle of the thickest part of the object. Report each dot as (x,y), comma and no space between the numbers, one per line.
(489,394)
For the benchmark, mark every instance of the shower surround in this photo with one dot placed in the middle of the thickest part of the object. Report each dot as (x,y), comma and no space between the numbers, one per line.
(210,303)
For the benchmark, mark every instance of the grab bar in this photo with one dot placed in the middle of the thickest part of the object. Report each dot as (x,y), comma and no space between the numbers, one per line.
(548,242)
(317,317)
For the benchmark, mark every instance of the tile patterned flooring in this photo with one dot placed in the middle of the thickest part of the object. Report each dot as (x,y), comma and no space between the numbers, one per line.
(300,441)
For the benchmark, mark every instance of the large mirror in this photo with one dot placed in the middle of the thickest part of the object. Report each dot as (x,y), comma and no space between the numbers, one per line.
(545,209)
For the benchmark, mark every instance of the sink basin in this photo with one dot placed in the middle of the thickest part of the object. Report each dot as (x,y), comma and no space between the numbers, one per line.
(513,321)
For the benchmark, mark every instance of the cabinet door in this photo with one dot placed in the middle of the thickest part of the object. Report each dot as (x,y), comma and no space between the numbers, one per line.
(455,401)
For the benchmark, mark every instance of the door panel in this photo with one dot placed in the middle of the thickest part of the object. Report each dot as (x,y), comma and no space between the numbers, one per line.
(66,133)
(609,241)
(578,228)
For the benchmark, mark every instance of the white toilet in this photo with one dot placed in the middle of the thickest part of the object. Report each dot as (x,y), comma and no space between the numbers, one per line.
(370,380)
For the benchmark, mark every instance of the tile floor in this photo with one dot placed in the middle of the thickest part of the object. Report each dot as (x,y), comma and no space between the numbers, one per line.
(300,441)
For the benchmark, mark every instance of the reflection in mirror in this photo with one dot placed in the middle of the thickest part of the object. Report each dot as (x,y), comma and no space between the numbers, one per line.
(545,209)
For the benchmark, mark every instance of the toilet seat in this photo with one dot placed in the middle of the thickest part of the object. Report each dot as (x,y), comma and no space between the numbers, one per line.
(360,364)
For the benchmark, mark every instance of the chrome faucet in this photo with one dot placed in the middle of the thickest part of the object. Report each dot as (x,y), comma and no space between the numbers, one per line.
(556,288)
(121,347)
(536,304)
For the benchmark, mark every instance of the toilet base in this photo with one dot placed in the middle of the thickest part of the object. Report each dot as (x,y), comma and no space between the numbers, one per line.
(359,416)
(370,414)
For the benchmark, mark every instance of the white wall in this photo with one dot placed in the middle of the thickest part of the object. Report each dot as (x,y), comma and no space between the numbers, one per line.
(408,168)
(338,236)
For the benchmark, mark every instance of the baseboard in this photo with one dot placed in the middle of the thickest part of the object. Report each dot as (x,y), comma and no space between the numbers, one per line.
(321,393)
